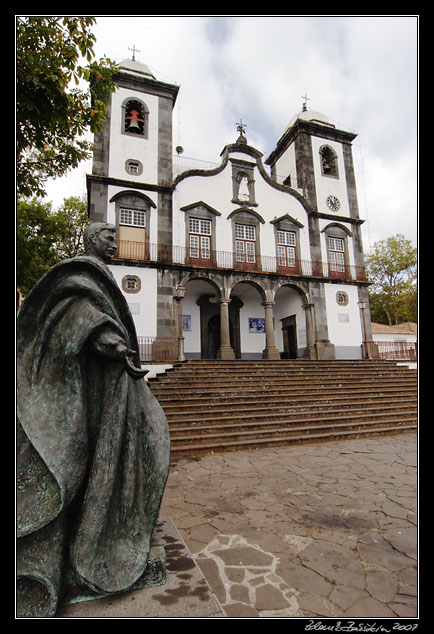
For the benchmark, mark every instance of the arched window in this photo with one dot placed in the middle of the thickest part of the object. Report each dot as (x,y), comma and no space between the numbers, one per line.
(133,214)
(135,116)
(329,161)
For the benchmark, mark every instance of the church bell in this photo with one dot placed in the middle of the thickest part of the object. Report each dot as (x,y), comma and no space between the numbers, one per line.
(134,121)
(133,125)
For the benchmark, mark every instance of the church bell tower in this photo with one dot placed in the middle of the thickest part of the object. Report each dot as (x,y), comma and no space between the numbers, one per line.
(130,184)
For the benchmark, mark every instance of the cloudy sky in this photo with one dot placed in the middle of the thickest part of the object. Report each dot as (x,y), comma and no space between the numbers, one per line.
(361,71)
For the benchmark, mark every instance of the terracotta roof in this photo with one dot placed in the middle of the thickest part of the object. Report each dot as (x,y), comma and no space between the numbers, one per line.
(408,328)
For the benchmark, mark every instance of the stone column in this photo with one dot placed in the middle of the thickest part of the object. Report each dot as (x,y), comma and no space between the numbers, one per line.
(225,351)
(270,351)
(310,331)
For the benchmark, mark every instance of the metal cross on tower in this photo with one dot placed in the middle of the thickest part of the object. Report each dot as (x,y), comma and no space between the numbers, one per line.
(305,100)
(241,127)
(135,50)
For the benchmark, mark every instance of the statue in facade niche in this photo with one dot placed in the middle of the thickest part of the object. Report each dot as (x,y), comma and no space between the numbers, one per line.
(93,443)
(243,190)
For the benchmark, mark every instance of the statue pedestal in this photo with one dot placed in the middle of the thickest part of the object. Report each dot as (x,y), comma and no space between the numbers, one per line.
(154,575)
(185,594)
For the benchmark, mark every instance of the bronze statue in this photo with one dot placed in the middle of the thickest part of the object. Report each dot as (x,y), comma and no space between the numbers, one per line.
(93,442)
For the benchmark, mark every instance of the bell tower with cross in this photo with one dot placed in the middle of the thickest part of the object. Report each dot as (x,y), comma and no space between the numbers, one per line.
(133,153)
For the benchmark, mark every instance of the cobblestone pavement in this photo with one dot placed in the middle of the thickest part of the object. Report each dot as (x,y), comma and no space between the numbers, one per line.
(323,530)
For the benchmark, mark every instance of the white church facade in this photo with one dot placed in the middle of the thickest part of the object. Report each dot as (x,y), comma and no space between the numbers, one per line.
(251,258)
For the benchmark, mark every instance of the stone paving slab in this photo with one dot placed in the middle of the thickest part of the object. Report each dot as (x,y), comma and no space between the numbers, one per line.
(309,531)
(186,593)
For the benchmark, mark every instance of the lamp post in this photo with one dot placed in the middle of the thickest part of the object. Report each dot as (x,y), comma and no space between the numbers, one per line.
(366,344)
(180,294)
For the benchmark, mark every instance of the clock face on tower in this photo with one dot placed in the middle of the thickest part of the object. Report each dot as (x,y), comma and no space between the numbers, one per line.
(333,203)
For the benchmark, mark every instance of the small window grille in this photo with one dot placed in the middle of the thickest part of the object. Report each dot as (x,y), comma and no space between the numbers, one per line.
(132,217)
(199,226)
(245,232)
(286,237)
(131,283)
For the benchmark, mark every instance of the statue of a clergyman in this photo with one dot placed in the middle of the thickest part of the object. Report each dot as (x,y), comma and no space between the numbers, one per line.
(93,443)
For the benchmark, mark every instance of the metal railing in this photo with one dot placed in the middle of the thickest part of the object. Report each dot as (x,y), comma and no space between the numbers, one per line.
(158,348)
(185,163)
(394,350)
(161,253)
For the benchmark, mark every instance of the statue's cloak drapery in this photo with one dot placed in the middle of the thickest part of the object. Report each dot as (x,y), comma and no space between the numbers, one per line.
(93,444)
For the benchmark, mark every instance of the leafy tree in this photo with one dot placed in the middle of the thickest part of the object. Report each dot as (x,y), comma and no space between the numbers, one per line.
(72,218)
(391,266)
(52,116)
(44,236)
(36,234)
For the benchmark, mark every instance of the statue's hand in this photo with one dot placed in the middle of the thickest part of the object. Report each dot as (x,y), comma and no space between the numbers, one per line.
(132,370)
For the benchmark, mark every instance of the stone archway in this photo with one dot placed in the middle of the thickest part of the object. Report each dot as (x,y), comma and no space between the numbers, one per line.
(257,325)
(201,302)
(295,334)
(211,330)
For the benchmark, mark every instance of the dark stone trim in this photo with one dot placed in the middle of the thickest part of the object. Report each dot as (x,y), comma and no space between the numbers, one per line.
(200,203)
(313,129)
(246,210)
(202,272)
(139,194)
(353,221)
(287,217)
(337,224)
(146,85)
(119,182)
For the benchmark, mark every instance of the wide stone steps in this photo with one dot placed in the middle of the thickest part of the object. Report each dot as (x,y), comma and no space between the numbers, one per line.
(225,406)
(236,413)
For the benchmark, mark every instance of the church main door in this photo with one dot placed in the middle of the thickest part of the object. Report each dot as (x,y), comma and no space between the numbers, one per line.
(213,336)
(289,331)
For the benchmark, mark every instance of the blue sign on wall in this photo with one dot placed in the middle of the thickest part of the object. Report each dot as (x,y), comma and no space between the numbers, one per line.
(257,324)
(186,323)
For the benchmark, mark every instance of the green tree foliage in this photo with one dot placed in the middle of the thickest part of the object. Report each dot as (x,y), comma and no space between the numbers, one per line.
(44,237)
(52,115)
(72,218)
(391,266)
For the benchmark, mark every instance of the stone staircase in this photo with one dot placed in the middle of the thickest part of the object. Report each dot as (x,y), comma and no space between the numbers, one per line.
(216,406)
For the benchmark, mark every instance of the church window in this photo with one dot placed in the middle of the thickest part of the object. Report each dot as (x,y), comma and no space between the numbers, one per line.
(245,243)
(336,254)
(286,243)
(135,118)
(200,238)
(133,166)
(342,298)
(131,284)
(329,161)
(132,217)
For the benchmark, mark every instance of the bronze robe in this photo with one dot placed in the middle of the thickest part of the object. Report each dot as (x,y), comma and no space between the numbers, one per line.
(93,442)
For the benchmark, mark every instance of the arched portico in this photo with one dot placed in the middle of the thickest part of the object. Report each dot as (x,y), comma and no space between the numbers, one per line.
(246,316)
(211,318)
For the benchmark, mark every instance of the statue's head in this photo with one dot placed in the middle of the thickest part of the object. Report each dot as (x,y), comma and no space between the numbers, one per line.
(100,241)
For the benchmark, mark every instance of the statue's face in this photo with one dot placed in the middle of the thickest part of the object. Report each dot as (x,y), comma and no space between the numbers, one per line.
(104,245)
